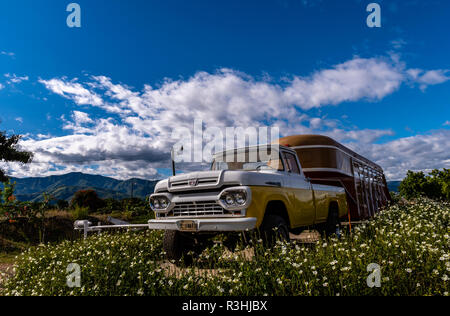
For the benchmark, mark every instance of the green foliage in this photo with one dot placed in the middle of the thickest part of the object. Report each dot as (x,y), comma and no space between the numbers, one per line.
(87,198)
(126,209)
(10,153)
(436,185)
(62,204)
(135,207)
(9,206)
(33,213)
(80,213)
(410,245)
(111,205)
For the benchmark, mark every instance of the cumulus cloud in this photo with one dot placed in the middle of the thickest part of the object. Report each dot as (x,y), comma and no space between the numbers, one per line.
(72,90)
(420,152)
(134,135)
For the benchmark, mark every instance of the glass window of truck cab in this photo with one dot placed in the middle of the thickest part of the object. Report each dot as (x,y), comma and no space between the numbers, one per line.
(249,159)
(291,163)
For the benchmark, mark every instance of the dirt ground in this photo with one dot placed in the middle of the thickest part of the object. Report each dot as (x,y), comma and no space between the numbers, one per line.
(6,269)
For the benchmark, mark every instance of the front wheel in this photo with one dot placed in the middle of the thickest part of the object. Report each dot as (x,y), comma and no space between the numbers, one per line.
(173,244)
(178,245)
(273,228)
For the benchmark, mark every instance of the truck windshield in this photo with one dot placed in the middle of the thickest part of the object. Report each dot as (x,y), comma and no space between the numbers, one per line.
(250,159)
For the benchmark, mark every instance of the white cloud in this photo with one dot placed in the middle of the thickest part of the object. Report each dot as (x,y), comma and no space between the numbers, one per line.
(73,90)
(420,152)
(9,54)
(428,78)
(81,117)
(13,78)
(80,123)
(137,140)
(19,119)
(354,80)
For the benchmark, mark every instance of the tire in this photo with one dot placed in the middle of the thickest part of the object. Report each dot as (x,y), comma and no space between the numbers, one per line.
(333,225)
(178,245)
(273,228)
(231,241)
(173,245)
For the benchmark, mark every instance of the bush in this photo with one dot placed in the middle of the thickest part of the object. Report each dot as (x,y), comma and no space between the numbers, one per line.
(435,185)
(133,207)
(87,198)
(80,213)
(31,213)
(62,205)
(110,206)
(410,245)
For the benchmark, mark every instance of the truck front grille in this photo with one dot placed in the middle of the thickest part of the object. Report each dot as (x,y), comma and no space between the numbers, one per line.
(206,208)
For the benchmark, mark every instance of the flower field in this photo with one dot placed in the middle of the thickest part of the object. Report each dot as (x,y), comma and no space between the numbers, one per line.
(411,244)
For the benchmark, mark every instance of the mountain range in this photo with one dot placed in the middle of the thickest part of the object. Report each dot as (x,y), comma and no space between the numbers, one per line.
(393,185)
(63,187)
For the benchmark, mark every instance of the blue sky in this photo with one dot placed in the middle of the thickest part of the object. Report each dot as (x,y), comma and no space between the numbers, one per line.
(79,95)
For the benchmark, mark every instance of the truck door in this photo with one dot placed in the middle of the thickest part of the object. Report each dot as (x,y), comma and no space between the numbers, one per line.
(300,192)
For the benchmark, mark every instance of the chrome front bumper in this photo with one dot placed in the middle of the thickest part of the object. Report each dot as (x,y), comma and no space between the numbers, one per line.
(206,224)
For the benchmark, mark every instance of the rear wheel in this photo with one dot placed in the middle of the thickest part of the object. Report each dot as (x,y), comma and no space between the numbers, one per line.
(273,228)
(333,225)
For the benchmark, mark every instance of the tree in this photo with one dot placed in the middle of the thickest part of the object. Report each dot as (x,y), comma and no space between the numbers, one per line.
(62,204)
(413,185)
(87,198)
(443,178)
(9,152)
(435,185)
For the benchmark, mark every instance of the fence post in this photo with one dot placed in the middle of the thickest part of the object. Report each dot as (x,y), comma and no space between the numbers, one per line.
(85,229)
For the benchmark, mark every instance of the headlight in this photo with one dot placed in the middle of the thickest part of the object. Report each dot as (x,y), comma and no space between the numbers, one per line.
(229,199)
(159,202)
(235,198)
(241,198)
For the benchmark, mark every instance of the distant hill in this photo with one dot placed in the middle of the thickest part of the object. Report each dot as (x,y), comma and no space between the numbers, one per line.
(63,187)
(393,185)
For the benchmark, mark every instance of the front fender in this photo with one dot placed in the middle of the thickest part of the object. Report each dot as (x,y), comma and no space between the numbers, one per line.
(261,196)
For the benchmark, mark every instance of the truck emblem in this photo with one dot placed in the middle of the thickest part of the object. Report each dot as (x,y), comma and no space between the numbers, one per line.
(193,183)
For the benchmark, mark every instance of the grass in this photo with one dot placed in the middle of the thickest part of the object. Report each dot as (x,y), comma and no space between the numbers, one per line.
(8,258)
(410,243)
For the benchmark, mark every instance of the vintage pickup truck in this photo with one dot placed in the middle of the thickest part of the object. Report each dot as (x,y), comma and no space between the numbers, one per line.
(270,194)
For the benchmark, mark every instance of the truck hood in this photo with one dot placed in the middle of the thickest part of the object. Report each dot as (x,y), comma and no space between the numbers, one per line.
(205,180)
